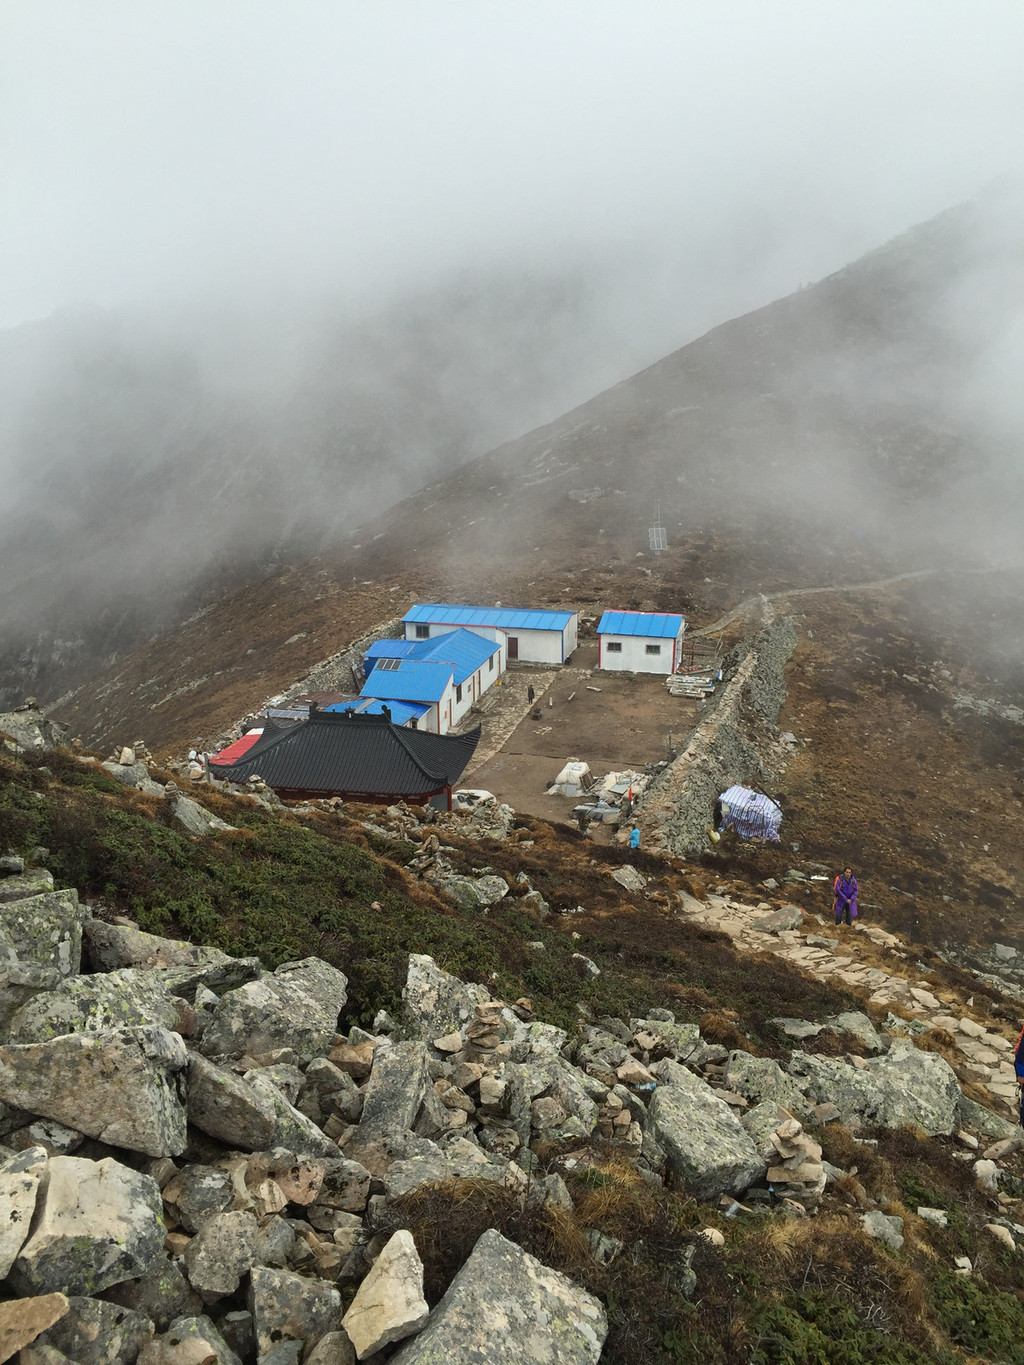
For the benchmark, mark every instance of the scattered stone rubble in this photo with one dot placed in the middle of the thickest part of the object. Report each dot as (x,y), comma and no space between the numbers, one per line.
(195,1163)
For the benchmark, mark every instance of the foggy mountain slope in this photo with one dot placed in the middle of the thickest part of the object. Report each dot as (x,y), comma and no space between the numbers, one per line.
(151,464)
(839,430)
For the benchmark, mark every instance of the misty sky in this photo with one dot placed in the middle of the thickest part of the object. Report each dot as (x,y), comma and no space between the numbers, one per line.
(720,153)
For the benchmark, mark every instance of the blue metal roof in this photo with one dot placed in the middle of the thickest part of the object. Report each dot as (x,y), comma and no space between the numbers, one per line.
(412,680)
(462,649)
(392,649)
(505,618)
(401,711)
(653,624)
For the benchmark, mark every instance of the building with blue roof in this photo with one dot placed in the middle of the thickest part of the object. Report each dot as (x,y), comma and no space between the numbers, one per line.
(640,641)
(474,663)
(540,637)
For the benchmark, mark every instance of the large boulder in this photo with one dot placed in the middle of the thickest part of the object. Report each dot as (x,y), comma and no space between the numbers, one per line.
(179,966)
(396,1092)
(289,1307)
(125,1087)
(192,1341)
(249,1112)
(389,1304)
(759,1078)
(906,1086)
(189,1341)
(297,1007)
(96,1223)
(93,1004)
(418,1162)
(161,1294)
(37,881)
(44,929)
(506,1308)
(32,729)
(858,1023)
(436,1004)
(94,1332)
(19,1185)
(227,1107)
(702,1141)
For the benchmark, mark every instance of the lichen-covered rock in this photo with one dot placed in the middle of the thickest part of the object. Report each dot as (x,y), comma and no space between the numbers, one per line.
(37,881)
(22,1320)
(759,1078)
(96,1223)
(703,1142)
(853,1021)
(289,1307)
(345,1186)
(133,774)
(296,1007)
(32,728)
(396,1091)
(189,1341)
(19,1185)
(505,1308)
(682,1042)
(551,1075)
(389,1304)
(435,1003)
(198,1193)
(227,1107)
(125,1086)
(977,1116)
(760,1122)
(221,1252)
(292,1129)
(93,1004)
(94,1332)
(472,893)
(161,1294)
(418,1161)
(44,929)
(179,966)
(906,1086)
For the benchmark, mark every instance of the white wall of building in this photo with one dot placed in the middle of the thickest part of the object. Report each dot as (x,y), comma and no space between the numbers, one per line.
(535,646)
(639,653)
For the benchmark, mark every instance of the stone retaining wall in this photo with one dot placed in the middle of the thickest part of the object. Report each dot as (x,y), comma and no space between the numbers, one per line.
(335,673)
(731,744)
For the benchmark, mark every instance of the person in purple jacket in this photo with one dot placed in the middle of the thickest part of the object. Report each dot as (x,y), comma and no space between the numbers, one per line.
(1018,1066)
(846,889)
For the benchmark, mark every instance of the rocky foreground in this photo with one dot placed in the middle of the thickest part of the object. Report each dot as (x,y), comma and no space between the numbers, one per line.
(197,1165)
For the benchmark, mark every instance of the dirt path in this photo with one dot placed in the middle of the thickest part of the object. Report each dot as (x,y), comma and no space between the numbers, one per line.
(749,603)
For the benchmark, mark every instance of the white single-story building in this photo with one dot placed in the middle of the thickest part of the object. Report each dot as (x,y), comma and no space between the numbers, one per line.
(536,637)
(640,641)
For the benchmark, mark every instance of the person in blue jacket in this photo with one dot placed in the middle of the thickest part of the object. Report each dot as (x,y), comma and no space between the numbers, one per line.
(634,840)
(1018,1066)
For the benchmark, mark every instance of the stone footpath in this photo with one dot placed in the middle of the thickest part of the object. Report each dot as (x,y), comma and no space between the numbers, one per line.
(790,933)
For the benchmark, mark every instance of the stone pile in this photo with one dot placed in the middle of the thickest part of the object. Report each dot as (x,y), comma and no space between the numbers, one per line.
(798,1176)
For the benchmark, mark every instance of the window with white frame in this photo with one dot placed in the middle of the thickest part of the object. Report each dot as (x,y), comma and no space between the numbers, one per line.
(614,646)
(458,692)
(652,649)
(422,632)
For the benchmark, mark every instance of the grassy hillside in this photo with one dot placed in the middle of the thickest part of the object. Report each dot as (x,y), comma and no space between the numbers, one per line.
(780,1291)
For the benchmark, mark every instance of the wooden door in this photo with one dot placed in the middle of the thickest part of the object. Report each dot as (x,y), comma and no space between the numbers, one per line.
(512,647)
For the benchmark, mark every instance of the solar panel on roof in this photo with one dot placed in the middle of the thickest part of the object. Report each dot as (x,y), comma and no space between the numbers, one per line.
(388,665)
